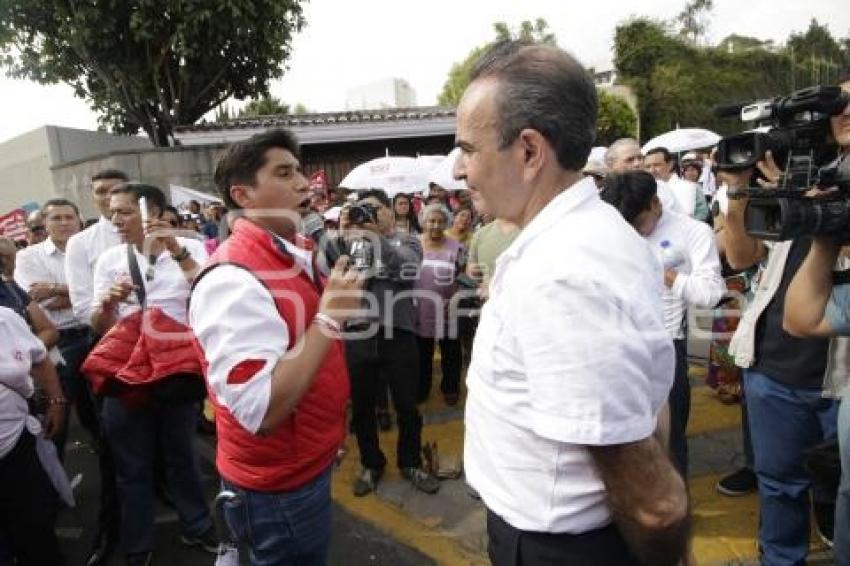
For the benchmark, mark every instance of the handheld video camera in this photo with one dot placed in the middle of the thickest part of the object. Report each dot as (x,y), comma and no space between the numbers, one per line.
(362,213)
(796,130)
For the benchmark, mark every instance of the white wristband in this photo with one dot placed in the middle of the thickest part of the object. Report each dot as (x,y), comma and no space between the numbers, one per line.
(324,320)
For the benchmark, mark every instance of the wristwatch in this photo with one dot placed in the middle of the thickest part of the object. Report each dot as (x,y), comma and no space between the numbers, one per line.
(182,255)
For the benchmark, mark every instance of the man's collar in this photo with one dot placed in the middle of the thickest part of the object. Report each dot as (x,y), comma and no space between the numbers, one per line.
(50,247)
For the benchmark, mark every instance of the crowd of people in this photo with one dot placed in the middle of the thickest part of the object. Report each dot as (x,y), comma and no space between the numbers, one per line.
(561,289)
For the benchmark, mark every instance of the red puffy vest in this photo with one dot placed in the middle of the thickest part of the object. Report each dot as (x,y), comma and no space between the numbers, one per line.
(306,443)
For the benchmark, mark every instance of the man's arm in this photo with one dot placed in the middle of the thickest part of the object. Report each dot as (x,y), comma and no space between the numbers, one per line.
(647,498)
(703,286)
(79,276)
(252,369)
(809,292)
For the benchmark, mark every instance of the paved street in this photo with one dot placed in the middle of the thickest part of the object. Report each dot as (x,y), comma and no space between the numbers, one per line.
(399,526)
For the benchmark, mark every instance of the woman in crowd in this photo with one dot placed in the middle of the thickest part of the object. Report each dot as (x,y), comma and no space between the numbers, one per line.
(15,298)
(441,265)
(405,217)
(461,226)
(29,504)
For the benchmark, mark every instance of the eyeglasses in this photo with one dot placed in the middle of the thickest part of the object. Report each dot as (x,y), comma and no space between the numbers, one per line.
(37,229)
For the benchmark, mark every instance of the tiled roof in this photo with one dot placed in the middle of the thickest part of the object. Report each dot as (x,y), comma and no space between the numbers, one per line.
(417,114)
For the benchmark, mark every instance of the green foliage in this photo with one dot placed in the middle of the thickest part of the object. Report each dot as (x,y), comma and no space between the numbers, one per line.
(677,84)
(300,108)
(458,79)
(264,106)
(615,119)
(150,64)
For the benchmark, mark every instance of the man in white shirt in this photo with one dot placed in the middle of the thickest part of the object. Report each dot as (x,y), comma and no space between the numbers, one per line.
(625,155)
(688,253)
(40,270)
(660,164)
(81,253)
(571,362)
(139,417)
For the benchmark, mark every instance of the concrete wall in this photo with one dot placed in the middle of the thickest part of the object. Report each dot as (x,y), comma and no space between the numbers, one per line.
(26,160)
(189,167)
(25,170)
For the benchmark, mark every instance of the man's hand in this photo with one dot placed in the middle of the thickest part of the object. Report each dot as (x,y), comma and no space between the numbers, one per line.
(164,232)
(54,420)
(343,293)
(42,290)
(670,277)
(119,292)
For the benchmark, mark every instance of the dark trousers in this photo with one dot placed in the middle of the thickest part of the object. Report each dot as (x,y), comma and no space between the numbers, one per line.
(74,345)
(134,434)
(509,546)
(450,363)
(395,358)
(680,409)
(28,506)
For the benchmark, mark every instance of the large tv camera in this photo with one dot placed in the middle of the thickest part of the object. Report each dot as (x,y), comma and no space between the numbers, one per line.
(796,130)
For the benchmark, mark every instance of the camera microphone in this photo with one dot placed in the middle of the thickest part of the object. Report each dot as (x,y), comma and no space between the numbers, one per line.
(732,110)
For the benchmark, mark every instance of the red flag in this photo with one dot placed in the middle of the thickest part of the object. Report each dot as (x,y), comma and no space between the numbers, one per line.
(14,224)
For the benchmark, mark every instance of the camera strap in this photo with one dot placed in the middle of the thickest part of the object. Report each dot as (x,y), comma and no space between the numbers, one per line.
(136,275)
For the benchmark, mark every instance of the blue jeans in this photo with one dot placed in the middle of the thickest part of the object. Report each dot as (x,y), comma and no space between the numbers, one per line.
(292,527)
(784,421)
(132,434)
(842,503)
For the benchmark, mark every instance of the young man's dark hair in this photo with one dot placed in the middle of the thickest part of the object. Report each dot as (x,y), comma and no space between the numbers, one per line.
(242,160)
(153,195)
(630,192)
(544,89)
(58,202)
(110,174)
(378,194)
(668,157)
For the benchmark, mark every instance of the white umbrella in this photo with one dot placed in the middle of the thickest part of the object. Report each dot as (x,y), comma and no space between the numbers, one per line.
(684,139)
(392,174)
(429,162)
(442,173)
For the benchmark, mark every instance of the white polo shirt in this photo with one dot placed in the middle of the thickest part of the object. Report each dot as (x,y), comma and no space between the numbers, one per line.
(699,281)
(168,290)
(235,320)
(81,254)
(570,351)
(45,263)
(19,349)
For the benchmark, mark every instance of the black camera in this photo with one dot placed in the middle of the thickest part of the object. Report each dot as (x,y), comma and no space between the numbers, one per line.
(362,213)
(796,130)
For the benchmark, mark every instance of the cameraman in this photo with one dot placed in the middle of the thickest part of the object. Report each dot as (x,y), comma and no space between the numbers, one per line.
(383,343)
(783,377)
(815,307)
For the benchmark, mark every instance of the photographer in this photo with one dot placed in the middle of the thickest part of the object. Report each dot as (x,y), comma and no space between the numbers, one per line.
(382,342)
(783,379)
(814,306)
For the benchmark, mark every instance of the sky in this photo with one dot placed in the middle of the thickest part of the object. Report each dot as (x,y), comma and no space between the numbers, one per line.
(350,43)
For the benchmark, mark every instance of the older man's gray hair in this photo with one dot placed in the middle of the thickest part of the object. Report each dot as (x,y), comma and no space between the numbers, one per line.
(616,148)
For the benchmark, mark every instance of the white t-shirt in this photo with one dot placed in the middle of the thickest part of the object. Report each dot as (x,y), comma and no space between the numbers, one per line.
(699,281)
(570,351)
(19,349)
(168,290)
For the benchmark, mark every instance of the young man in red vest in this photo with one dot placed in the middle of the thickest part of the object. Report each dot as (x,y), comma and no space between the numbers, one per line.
(268,333)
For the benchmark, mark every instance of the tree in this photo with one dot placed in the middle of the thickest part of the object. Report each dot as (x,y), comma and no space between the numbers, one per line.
(150,64)
(458,79)
(300,108)
(693,20)
(615,119)
(264,106)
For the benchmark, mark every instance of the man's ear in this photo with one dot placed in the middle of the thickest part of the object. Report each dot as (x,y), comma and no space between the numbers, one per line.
(533,146)
(240,195)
